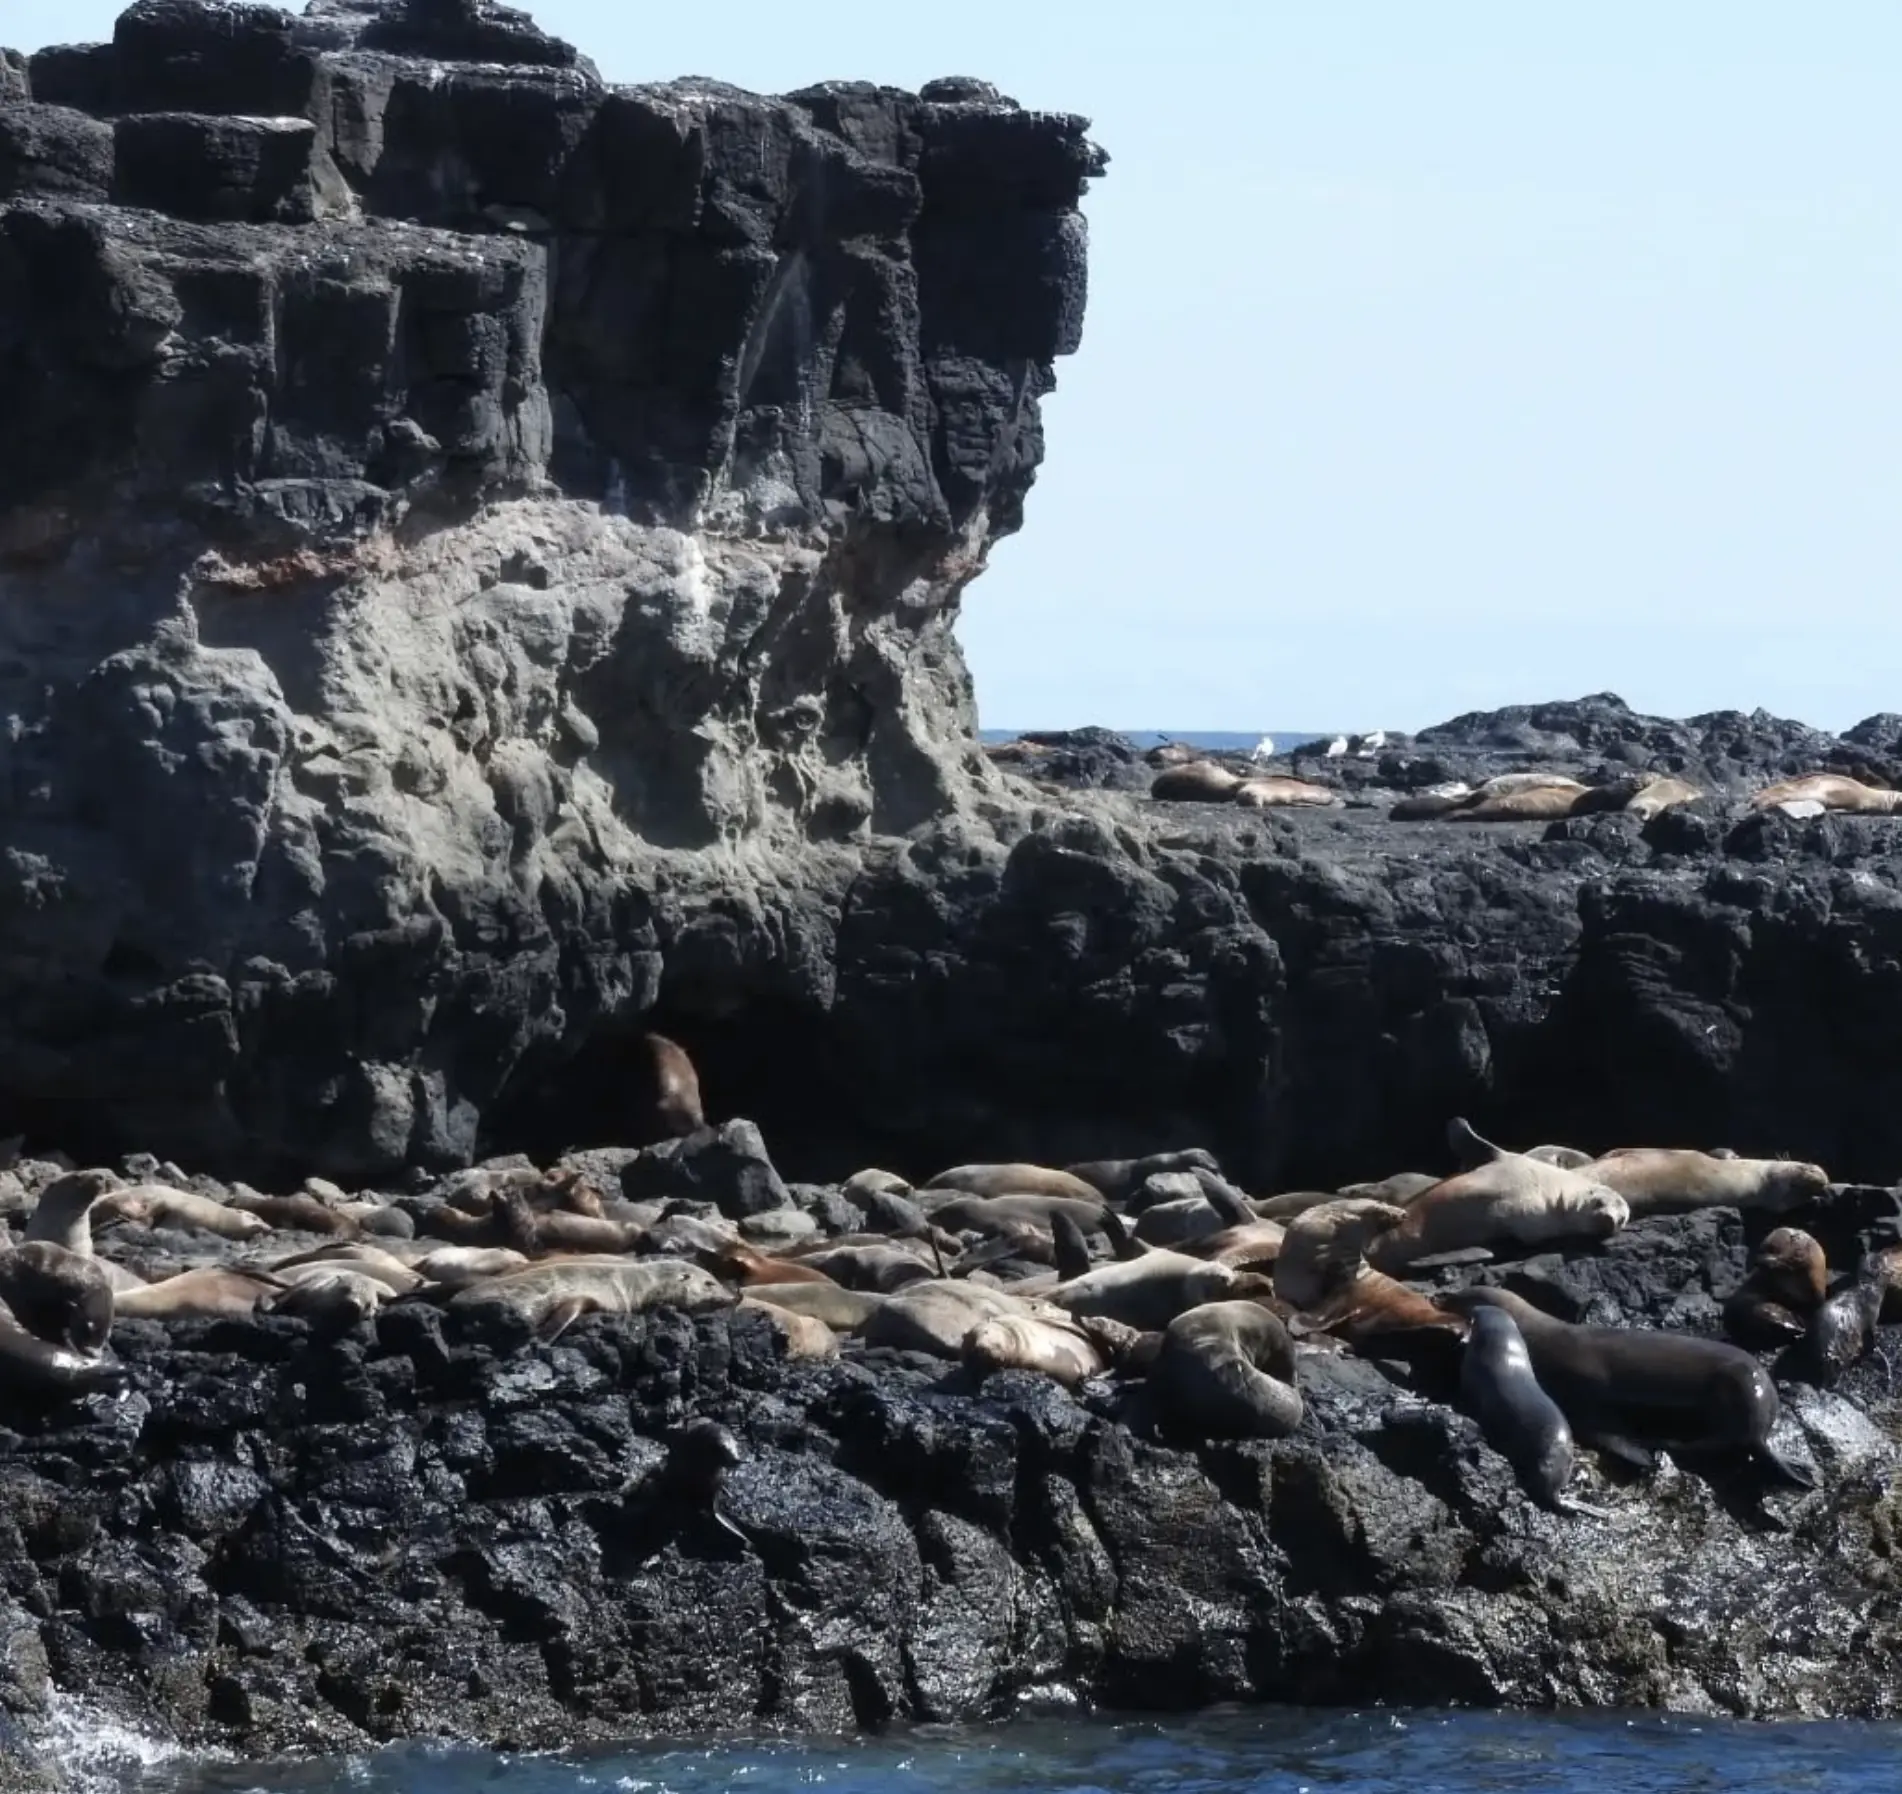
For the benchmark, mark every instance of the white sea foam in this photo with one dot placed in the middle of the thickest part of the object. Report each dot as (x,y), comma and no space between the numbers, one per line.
(91,1751)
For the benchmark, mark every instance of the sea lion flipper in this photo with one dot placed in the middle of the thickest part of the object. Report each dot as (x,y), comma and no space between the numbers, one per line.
(1122,1242)
(1626,1451)
(1470,1147)
(560,1318)
(1782,1469)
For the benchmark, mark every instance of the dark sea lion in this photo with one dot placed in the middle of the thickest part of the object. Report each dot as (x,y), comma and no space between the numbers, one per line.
(1117,1179)
(1621,1385)
(30,1362)
(63,1217)
(1148,1292)
(699,1456)
(1519,1420)
(161,1206)
(57,1295)
(885,1267)
(538,1232)
(1225,1370)
(676,1086)
(1841,1333)
(1197,782)
(297,1214)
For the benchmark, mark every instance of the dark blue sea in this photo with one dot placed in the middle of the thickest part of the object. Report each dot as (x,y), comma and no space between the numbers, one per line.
(1257,1752)
(1237,741)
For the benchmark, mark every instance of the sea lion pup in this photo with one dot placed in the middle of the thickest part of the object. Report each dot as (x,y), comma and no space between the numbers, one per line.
(1657,1180)
(1785,1285)
(552,1295)
(539,1232)
(160,1206)
(1015,1180)
(296,1214)
(1324,1248)
(456,1267)
(59,1296)
(677,1105)
(807,1339)
(1281,793)
(1147,1292)
(1059,1349)
(1117,1179)
(1514,1201)
(1621,1386)
(1195,782)
(1225,1370)
(1832,790)
(1518,1419)
(1841,1333)
(209,1293)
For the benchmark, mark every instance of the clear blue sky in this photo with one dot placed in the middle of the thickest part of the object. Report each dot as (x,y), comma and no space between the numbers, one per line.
(1437,356)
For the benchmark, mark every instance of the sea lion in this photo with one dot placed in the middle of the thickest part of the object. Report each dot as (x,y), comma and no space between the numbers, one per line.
(1567,1158)
(1664,1181)
(1469,1147)
(162,1207)
(1059,1350)
(1324,1248)
(63,1217)
(397,1277)
(1225,1370)
(1116,1179)
(1659,794)
(1832,790)
(1841,1333)
(456,1267)
(1381,1318)
(1196,782)
(1511,797)
(694,1472)
(209,1293)
(552,1295)
(1785,1285)
(1399,1189)
(741,1264)
(808,1340)
(989,1214)
(29,1362)
(1280,793)
(1519,1420)
(1253,1246)
(883,1267)
(1015,1180)
(1513,1201)
(935,1317)
(538,1232)
(677,1104)
(1290,1203)
(1148,1292)
(330,1293)
(62,1297)
(1217,1206)
(297,1214)
(1619,1385)
(1431,803)
(843,1310)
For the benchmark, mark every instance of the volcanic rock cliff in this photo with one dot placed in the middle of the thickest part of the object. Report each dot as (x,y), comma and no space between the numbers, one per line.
(478,552)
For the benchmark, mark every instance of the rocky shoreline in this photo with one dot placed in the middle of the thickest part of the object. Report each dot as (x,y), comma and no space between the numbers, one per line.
(480,550)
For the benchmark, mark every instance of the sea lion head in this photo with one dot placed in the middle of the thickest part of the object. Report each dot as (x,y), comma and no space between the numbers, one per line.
(1790,1183)
(1601,1212)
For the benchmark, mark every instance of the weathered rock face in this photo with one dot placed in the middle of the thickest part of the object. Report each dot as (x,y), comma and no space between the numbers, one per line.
(478,549)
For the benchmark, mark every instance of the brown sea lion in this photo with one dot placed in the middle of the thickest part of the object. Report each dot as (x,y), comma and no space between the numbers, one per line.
(1015,1180)
(741,1264)
(1841,1333)
(677,1104)
(552,1295)
(808,1340)
(1660,794)
(1399,1189)
(299,1214)
(935,1317)
(1225,1370)
(538,1232)
(1374,1311)
(456,1267)
(1118,1179)
(1325,1248)
(161,1206)
(1254,1246)
(1786,1283)
(397,1277)
(1665,1181)
(1831,791)
(209,1293)
(1281,793)
(1621,1386)
(843,1310)
(1513,1201)
(1196,782)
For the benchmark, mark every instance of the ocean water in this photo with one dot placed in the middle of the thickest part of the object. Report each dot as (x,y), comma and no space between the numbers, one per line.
(1231,741)
(1271,1751)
